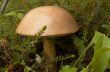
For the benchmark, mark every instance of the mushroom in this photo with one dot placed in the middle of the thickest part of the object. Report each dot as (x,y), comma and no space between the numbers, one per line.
(59,23)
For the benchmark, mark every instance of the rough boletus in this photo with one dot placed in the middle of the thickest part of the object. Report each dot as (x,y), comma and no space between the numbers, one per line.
(59,23)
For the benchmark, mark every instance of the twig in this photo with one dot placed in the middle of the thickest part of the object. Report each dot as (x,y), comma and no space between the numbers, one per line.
(3,7)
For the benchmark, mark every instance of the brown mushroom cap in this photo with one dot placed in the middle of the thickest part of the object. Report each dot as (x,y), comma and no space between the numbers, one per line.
(58,21)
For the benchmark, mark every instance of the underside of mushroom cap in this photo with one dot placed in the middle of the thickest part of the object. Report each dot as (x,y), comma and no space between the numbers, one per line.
(58,21)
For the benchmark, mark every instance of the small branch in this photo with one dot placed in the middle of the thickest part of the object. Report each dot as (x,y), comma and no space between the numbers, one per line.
(3,7)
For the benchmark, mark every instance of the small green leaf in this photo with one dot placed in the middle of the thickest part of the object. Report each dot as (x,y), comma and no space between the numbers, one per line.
(20,15)
(15,14)
(100,60)
(67,68)
(80,44)
(101,52)
(84,70)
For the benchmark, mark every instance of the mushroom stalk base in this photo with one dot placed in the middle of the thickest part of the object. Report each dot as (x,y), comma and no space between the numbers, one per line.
(49,54)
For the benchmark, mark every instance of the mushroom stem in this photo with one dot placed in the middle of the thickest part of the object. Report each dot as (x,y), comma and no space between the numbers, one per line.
(49,54)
